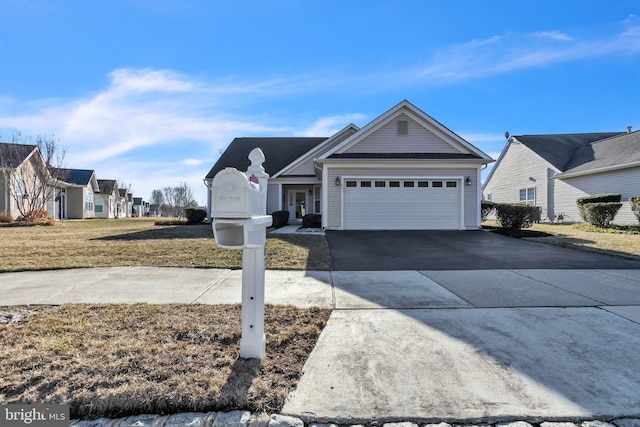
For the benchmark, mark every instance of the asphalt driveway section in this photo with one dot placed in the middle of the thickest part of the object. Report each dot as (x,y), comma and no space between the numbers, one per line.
(353,250)
(471,366)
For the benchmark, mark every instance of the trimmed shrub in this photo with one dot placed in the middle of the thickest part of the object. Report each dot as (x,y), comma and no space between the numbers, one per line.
(601,214)
(280,218)
(634,201)
(487,207)
(597,198)
(515,216)
(195,215)
(45,221)
(312,221)
(5,218)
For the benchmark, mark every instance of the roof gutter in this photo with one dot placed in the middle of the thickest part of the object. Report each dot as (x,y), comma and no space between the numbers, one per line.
(595,171)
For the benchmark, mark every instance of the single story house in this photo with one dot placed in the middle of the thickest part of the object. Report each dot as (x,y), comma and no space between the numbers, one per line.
(403,170)
(552,171)
(126,203)
(19,167)
(107,200)
(140,207)
(77,199)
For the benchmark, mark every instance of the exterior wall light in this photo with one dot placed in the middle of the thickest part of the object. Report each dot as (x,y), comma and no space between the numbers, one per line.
(337,181)
(467,181)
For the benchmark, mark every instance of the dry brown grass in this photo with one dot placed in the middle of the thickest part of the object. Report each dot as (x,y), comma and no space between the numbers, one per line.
(623,245)
(138,242)
(118,360)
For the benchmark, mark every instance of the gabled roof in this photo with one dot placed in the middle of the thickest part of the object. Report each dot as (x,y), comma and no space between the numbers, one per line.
(107,186)
(81,177)
(558,149)
(279,152)
(137,200)
(416,114)
(611,153)
(13,155)
(336,138)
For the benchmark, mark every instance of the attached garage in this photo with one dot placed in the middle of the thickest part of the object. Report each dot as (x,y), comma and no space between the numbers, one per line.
(402,203)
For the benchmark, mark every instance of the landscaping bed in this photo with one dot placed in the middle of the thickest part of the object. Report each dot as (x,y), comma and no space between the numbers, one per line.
(118,360)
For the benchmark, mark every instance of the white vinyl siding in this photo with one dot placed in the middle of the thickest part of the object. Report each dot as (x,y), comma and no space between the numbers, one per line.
(521,168)
(305,168)
(387,140)
(623,181)
(273,198)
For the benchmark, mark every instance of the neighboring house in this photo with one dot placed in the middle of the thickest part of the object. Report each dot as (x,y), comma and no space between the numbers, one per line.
(16,161)
(80,187)
(140,207)
(107,200)
(403,170)
(126,203)
(552,171)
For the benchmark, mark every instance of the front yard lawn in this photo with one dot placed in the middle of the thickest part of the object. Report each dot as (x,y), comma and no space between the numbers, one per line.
(567,235)
(124,359)
(138,242)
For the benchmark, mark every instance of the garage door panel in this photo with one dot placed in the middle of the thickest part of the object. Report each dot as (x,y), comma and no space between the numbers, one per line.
(402,208)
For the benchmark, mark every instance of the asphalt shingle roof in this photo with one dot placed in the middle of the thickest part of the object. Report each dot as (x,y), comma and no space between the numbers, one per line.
(106,185)
(278,153)
(608,152)
(74,176)
(558,149)
(12,155)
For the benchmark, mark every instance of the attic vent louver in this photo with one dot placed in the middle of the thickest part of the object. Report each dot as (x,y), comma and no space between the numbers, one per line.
(403,127)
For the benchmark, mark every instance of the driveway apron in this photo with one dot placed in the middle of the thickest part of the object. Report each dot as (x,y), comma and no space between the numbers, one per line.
(456,250)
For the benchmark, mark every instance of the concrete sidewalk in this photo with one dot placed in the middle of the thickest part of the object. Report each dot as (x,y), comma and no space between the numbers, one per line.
(461,346)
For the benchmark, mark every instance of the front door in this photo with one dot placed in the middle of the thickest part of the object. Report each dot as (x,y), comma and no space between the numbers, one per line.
(297,204)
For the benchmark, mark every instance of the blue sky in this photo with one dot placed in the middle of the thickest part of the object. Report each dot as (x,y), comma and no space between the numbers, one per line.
(149,92)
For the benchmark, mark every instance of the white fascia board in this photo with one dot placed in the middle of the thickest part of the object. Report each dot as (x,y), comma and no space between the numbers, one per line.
(293,180)
(595,171)
(500,157)
(314,151)
(386,163)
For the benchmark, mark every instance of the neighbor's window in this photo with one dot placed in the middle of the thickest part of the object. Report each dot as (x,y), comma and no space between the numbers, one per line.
(89,202)
(403,127)
(528,196)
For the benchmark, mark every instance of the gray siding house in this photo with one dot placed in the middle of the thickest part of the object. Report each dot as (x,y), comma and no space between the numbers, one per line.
(403,170)
(552,171)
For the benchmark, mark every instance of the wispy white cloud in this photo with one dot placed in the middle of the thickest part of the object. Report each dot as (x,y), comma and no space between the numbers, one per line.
(327,126)
(553,35)
(512,52)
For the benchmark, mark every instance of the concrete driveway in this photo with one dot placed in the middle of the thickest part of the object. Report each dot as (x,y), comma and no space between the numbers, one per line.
(456,250)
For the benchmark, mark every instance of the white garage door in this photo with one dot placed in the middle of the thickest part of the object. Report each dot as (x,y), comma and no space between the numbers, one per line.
(399,204)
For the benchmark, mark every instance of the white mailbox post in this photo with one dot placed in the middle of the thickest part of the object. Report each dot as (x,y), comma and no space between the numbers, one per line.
(240,222)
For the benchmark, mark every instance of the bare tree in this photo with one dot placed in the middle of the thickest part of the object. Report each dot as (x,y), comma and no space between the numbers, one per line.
(156,201)
(32,170)
(177,199)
